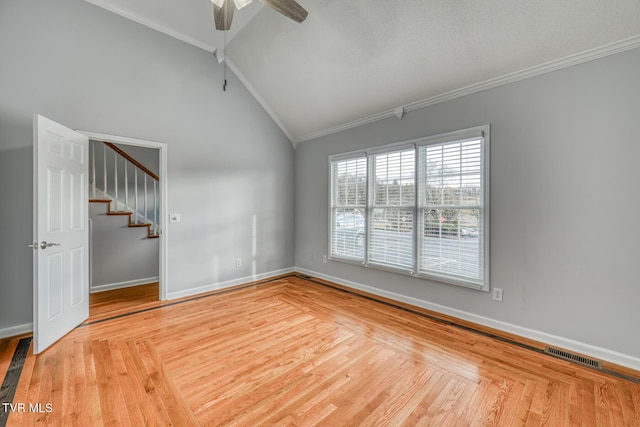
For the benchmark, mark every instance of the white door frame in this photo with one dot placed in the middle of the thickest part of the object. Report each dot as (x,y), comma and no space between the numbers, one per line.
(164,216)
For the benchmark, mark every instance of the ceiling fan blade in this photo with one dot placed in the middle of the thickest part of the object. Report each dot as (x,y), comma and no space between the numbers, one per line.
(289,8)
(223,15)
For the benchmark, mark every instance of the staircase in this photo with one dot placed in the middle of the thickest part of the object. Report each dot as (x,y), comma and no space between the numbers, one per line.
(125,186)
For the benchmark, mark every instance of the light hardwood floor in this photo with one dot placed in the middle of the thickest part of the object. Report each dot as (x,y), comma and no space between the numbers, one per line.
(107,304)
(294,352)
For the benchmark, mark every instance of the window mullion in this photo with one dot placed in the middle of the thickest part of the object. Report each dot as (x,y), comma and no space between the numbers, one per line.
(416,201)
(368,210)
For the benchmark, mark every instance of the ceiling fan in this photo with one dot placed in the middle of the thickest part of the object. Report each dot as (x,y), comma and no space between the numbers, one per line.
(223,10)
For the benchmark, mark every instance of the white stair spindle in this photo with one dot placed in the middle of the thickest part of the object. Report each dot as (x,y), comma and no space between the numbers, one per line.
(104,167)
(135,184)
(115,177)
(93,165)
(145,198)
(126,185)
(155,207)
(140,209)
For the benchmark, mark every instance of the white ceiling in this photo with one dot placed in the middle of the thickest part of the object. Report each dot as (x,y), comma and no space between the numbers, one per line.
(355,61)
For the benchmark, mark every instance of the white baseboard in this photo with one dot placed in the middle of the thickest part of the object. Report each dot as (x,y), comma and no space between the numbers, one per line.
(27,328)
(227,284)
(543,337)
(121,285)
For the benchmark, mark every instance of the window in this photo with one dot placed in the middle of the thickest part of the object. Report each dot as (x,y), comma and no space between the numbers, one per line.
(392,209)
(348,207)
(450,210)
(420,208)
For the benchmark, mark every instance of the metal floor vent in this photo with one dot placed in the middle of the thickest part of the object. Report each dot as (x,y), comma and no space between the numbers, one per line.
(573,357)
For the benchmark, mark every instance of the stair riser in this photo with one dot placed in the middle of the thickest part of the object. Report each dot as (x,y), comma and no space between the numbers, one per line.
(127,214)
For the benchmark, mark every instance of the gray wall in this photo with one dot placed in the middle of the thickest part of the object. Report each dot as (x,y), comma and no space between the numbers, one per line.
(111,264)
(16,290)
(565,199)
(228,162)
(149,157)
(119,253)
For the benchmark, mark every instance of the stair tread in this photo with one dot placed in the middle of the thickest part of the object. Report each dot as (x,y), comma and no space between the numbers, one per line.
(125,213)
(115,207)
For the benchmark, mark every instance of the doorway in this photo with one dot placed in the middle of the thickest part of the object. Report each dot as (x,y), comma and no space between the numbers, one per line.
(143,226)
(61,227)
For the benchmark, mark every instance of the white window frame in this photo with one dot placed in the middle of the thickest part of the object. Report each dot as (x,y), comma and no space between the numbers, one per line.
(333,206)
(371,206)
(482,132)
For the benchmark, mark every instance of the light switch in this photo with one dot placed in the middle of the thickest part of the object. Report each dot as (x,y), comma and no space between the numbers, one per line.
(174,217)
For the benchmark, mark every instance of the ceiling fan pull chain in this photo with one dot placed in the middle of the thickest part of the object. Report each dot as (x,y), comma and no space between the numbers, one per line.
(224,69)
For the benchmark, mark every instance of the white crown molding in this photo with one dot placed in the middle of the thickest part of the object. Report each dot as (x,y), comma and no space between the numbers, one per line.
(558,64)
(568,61)
(542,337)
(260,100)
(221,57)
(153,25)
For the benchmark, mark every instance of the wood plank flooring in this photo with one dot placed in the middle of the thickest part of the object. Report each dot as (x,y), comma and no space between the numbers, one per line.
(296,353)
(107,304)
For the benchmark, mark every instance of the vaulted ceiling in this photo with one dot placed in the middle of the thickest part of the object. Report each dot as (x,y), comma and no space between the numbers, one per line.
(356,61)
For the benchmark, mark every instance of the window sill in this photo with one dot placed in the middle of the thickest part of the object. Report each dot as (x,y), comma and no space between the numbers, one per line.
(410,273)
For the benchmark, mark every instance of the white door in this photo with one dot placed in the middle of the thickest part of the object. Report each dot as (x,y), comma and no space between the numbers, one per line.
(60,229)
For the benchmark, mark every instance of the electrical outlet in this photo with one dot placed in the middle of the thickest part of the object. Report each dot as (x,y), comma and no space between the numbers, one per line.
(238,262)
(324,259)
(497,294)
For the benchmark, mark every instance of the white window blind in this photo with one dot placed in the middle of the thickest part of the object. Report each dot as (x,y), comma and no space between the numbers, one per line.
(450,210)
(418,208)
(348,208)
(391,212)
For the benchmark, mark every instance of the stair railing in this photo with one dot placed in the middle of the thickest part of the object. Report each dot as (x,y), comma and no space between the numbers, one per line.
(111,169)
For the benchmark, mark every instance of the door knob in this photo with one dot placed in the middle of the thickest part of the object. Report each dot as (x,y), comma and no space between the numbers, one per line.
(45,245)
